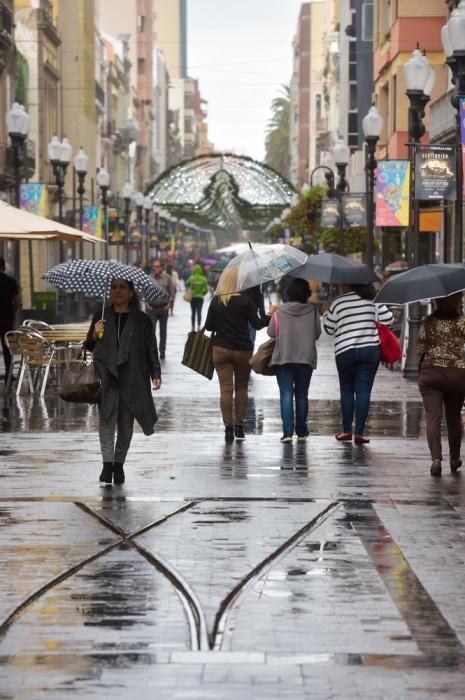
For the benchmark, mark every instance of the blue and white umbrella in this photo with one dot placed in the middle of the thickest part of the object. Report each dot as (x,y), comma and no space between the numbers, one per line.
(93,278)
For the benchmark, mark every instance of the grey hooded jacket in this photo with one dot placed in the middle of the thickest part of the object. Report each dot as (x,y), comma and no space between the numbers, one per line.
(298,329)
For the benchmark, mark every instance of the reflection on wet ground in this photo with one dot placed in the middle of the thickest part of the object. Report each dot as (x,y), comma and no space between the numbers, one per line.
(259,570)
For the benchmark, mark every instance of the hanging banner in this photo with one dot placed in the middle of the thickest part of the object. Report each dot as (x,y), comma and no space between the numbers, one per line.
(435,172)
(92,221)
(354,209)
(330,213)
(462,131)
(33,198)
(392,193)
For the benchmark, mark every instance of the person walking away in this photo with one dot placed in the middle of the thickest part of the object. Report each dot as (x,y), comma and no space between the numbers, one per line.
(351,319)
(126,360)
(228,316)
(198,283)
(441,379)
(159,311)
(9,305)
(296,327)
(176,285)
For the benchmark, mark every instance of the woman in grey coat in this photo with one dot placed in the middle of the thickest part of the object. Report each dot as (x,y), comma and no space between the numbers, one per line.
(126,359)
(296,327)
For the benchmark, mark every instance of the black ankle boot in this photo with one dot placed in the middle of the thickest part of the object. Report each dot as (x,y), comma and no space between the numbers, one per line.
(229,433)
(118,473)
(107,473)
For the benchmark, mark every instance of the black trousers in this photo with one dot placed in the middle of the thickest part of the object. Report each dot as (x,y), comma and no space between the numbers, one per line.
(196,311)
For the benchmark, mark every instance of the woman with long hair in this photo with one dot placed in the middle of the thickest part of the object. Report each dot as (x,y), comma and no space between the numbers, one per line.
(351,319)
(441,381)
(126,359)
(229,315)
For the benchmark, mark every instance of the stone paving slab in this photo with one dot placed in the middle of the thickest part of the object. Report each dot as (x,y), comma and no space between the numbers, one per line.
(365,603)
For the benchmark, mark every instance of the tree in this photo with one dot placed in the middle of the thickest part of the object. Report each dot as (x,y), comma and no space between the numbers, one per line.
(277,153)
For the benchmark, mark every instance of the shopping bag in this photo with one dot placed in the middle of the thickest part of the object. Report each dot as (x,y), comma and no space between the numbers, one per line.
(390,350)
(260,360)
(198,353)
(80,382)
(187,296)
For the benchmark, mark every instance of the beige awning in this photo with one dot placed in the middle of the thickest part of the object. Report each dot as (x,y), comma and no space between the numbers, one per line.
(19,224)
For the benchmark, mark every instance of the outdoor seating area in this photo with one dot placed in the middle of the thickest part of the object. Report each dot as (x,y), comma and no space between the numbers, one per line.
(40,352)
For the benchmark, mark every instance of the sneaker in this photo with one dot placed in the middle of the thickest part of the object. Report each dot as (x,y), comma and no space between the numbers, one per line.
(302,438)
(229,434)
(239,432)
(286,438)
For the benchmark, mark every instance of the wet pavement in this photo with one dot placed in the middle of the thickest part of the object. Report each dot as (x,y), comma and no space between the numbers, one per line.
(252,570)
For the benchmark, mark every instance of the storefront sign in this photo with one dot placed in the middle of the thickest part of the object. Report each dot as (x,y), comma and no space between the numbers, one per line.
(33,198)
(354,210)
(392,193)
(435,172)
(330,213)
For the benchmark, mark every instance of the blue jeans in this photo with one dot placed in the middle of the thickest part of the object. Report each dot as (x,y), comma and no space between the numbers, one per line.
(357,369)
(294,380)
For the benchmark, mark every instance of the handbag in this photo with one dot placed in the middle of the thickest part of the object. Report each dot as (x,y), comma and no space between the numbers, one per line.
(80,382)
(390,350)
(198,353)
(260,360)
(187,296)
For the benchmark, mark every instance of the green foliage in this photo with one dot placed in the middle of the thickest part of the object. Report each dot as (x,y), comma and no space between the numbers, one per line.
(303,221)
(277,137)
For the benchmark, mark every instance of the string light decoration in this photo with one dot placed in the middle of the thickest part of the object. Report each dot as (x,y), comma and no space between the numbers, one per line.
(222,190)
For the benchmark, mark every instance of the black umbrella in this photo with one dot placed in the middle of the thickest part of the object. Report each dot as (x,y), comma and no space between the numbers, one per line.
(332,268)
(425,282)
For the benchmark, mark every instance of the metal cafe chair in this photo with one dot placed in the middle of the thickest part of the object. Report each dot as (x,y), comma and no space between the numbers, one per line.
(39,358)
(17,361)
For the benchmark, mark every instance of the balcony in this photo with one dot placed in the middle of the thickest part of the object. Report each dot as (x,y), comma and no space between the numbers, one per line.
(99,96)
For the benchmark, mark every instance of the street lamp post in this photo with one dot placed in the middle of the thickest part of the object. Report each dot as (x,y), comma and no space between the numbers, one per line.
(139,202)
(59,154)
(148,204)
(341,156)
(127,196)
(419,80)
(103,181)
(372,124)
(17,123)
(453,41)
(81,165)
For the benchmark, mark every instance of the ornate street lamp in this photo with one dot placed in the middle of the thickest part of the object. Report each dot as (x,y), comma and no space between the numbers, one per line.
(103,181)
(453,41)
(59,155)
(81,166)
(127,197)
(17,124)
(419,81)
(341,156)
(372,125)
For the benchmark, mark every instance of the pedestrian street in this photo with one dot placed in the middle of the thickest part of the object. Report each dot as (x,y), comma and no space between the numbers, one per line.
(254,570)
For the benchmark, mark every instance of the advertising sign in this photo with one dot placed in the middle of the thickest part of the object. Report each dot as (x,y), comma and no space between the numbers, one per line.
(462,131)
(354,210)
(92,221)
(435,172)
(392,193)
(33,198)
(330,213)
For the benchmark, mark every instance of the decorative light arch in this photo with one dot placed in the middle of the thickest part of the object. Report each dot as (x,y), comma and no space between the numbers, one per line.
(222,190)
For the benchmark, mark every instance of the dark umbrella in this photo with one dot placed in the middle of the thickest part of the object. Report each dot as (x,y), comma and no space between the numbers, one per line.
(219,265)
(425,282)
(332,268)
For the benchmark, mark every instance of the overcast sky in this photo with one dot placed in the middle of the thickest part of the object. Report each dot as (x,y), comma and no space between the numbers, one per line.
(241,52)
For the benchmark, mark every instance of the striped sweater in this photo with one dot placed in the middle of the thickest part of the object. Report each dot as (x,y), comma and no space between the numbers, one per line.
(351,320)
